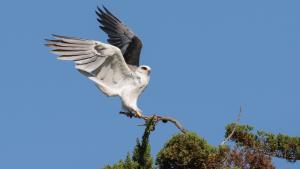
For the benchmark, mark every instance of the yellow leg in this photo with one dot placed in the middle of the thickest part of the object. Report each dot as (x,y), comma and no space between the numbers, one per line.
(138,114)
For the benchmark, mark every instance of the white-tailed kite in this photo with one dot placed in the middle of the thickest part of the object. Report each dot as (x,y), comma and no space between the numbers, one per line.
(115,67)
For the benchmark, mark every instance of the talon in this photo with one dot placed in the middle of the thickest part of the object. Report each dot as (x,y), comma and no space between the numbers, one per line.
(128,114)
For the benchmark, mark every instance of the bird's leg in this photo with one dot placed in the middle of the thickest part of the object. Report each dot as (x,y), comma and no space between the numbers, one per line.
(138,114)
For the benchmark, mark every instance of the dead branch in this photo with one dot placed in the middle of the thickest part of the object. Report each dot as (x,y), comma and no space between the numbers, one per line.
(157,119)
(236,123)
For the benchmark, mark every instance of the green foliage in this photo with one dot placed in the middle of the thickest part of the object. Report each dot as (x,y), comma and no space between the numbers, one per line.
(185,151)
(142,155)
(128,163)
(141,158)
(142,149)
(190,151)
(280,145)
(242,132)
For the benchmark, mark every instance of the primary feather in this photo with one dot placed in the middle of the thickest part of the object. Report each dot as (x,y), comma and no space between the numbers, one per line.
(120,36)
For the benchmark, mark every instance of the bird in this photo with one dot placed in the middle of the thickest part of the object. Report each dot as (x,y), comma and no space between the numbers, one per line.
(115,66)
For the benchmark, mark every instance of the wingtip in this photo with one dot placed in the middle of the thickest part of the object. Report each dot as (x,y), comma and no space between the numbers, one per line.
(99,12)
(106,10)
(59,57)
(98,8)
(102,28)
(47,44)
(56,36)
(59,36)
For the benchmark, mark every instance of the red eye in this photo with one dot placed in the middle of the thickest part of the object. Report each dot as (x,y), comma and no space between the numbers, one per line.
(144,68)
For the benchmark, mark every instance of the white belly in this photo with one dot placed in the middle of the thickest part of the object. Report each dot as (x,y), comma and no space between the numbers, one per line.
(131,93)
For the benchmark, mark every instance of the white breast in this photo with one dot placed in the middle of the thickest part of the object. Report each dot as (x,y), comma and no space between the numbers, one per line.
(131,93)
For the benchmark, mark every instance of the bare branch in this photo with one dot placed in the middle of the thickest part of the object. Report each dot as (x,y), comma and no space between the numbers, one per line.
(236,123)
(157,119)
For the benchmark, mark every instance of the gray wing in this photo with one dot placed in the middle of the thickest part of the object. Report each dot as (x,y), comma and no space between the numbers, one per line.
(120,36)
(100,62)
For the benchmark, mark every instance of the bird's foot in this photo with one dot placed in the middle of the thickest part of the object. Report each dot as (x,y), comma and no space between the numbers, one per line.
(128,114)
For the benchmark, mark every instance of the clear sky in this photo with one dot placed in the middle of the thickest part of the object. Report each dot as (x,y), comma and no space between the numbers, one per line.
(207,59)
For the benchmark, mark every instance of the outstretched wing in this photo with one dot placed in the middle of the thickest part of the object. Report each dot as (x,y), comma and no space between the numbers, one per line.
(120,36)
(100,62)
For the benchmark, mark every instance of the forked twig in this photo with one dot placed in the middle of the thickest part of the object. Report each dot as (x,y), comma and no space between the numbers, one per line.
(157,119)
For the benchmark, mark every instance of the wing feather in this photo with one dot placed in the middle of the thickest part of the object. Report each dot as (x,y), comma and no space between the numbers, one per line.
(120,36)
(102,63)
(75,57)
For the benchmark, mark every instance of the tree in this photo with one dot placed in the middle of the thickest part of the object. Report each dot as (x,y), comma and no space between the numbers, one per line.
(280,145)
(244,158)
(187,150)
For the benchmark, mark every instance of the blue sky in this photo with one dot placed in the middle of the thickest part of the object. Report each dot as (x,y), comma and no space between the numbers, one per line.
(207,59)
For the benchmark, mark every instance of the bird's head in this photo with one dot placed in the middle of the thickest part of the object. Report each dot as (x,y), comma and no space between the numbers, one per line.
(144,69)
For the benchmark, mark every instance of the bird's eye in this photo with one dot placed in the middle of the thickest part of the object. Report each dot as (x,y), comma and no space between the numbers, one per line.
(144,68)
